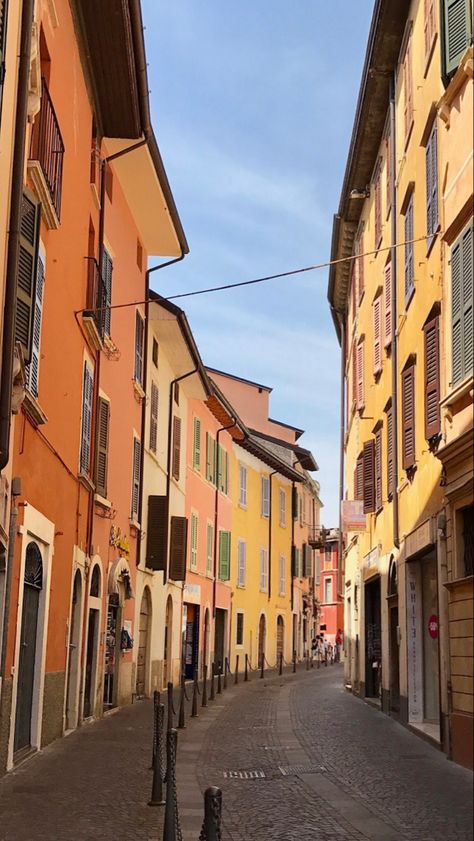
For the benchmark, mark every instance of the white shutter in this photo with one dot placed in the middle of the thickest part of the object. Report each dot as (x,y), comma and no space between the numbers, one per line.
(282,575)
(136,478)
(265,496)
(263,570)
(282,507)
(243,485)
(32,377)
(86,425)
(241,562)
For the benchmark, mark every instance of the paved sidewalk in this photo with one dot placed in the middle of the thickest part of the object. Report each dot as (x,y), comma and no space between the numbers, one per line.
(298,759)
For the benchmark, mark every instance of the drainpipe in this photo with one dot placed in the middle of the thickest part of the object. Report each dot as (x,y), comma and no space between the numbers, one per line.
(8,587)
(216,513)
(342,439)
(16,194)
(270,536)
(393,258)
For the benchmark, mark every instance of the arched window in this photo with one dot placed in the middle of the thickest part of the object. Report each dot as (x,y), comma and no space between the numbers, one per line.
(95,581)
(33,566)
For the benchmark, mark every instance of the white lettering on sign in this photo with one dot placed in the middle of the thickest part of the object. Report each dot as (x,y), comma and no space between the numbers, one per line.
(414,640)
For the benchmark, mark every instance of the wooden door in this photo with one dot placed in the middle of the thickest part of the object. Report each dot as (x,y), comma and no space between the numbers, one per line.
(32,586)
(143,631)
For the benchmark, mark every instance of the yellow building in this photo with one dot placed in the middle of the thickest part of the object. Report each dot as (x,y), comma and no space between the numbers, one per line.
(391,306)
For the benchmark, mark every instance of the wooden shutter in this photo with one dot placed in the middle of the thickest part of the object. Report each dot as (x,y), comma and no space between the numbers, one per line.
(265,496)
(390,442)
(378,208)
(294,502)
(408,417)
(102,446)
(353,289)
(243,485)
(282,575)
(431,155)
(157,533)
(241,552)
(378,469)
(409,250)
(136,478)
(209,548)
(178,543)
(354,373)
(209,457)
(32,379)
(307,561)
(360,375)
(219,466)
(462,305)
(359,478)
(387,292)
(224,555)
(86,425)
(432,395)
(176,461)
(377,316)
(26,279)
(154,417)
(408,85)
(360,266)
(139,337)
(107,270)
(388,172)
(457,31)
(468,303)
(368,469)
(197,444)
(194,540)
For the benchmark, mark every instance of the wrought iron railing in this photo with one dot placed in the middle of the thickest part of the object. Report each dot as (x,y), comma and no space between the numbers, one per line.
(47,147)
(317,536)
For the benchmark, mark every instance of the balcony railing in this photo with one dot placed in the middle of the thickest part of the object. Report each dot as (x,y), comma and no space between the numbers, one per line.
(47,148)
(317,536)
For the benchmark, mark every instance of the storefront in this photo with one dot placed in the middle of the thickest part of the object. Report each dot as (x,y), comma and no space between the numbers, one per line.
(191,640)
(373,638)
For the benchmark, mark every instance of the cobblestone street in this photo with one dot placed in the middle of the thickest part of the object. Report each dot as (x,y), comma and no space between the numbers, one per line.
(329,767)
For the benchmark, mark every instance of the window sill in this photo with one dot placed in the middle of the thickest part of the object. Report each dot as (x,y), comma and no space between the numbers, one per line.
(456,395)
(243,506)
(92,332)
(462,75)
(85,480)
(240,586)
(138,389)
(134,524)
(458,582)
(35,171)
(33,409)
(102,501)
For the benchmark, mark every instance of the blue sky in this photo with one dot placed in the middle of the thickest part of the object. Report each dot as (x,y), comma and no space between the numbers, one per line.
(253,105)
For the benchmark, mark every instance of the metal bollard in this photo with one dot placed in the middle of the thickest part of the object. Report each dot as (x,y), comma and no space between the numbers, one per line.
(204,688)
(211,828)
(262,665)
(213,691)
(219,683)
(156,704)
(294,662)
(157,784)
(170,691)
(194,705)
(171,823)
(236,675)
(280,669)
(181,716)
(246,673)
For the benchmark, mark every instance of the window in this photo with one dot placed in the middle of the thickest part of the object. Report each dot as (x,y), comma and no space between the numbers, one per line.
(409,274)
(432,395)
(176,460)
(194,541)
(178,544)
(465,547)
(209,548)
(154,353)
(282,507)
(281,575)
(354,373)
(263,570)
(224,555)
(360,267)
(388,172)
(462,306)
(102,443)
(408,89)
(387,294)
(47,148)
(318,569)
(27,272)
(104,294)
(408,416)
(210,458)
(296,571)
(368,476)
(136,479)
(359,478)
(429,26)
(265,496)
(377,207)
(378,469)
(154,417)
(390,442)
(242,486)
(32,374)
(139,340)
(431,156)
(307,561)
(86,423)
(197,444)
(377,319)
(327,558)
(327,590)
(239,635)
(360,374)
(457,33)
(241,562)
(157,533)
(222,470)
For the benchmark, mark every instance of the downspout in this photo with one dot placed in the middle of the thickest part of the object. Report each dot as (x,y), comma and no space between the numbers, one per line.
(394,337)
(270,535)
(342,323)
(18,163)
(216,514)
(145,386)
(8,587)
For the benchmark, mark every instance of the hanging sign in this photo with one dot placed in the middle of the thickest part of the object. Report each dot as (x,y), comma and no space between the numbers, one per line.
(353,517)
(433,626)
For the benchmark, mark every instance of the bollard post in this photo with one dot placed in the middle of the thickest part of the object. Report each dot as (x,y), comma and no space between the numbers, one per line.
(171,823)
(157,784)
(226,669)
(213,691)
(211,828)
(181,716)
(280,668)
(219,677)
(204,689)
(194,706)
(170,706)
(294,662)
(262,665)
(156,704)
(246,673)
(236,675)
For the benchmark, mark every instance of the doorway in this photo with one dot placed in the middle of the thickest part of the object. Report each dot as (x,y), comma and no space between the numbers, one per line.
(430,640)
(72,686)
(393,640)
(143,643)
(112,652)
(191,641)
(219,641)
(167,649)
(32,587)
(205,654)
(262,634)
(280,637)
(93,624)
(373,639)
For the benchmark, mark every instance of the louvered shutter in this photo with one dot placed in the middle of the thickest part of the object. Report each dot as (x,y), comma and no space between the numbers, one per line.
(194,540)
(390,442)
(408,417)
(139,341)
(241,552)
(265,496)
(353,289)
(432,396)
(354,373)
(408,82)
(294,502)
(3,41)
(26,280)
(154,418)
(178,542)
(467,300)
(176,462)
(360,266)
(429,24)
(307,561)
(32,377)
(360,375)
(409,249)
(378,469)
(102,446)
(281,570)
(359,478)
(378,209)
(197,444)
(431,155)
(86,425)
(224,555)
(157,533)
(387,292)
(209,457)
(136,478)
(369,476)
(209,548)
(456,311)
(377,315)
(457,30)
(107,269)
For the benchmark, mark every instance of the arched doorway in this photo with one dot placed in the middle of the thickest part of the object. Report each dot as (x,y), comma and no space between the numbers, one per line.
(167,651)
(93,626)
(280,637)
(143,642)
(394,644)
(32,587)
(72,686)
(262,633)
(205,656)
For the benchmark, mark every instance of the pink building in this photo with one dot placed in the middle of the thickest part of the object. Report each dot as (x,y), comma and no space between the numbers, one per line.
(331,617)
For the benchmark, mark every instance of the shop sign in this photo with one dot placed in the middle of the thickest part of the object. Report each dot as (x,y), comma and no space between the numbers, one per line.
(353,517)
(372,558)
(420,539)
(414,641)
(433,626)
(192,593)
(118,539)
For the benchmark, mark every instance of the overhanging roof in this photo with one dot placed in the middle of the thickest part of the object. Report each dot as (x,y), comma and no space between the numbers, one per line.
(304,456)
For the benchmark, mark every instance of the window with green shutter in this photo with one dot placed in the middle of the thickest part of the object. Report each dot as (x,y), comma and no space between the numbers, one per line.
(456,19)
(209,549)
(86,419)
(136,468)
(224,555)
(222,470)
(210,458)
(194,541)
(197,444)
(27,267)
(431,156)
(409,264)
(139,348)
(462,305)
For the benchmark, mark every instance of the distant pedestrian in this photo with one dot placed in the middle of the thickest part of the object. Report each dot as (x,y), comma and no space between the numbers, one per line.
(338,645)
(314,647)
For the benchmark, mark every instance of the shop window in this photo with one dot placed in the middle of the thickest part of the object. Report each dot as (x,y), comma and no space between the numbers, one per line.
(465,518)
(239,637)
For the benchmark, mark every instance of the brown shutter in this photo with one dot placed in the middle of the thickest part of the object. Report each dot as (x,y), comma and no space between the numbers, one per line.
(360,375)
(354,373)
(359,478)
(157,533)
(390,476)
(26,278)
(102,446)
(378,469)
(432,414)
(377,314)
(408,416)
(178,544)
(353,289)
(369,476)
(360,266)
(387,291)
(176,447)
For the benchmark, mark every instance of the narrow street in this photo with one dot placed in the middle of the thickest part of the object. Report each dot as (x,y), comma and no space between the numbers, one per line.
(329,767)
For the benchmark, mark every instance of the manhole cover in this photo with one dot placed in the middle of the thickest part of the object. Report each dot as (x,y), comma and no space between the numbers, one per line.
(244,775)
(290,770)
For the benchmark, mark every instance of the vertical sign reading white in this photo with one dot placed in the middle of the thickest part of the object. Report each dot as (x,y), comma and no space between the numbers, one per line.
(414,640)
